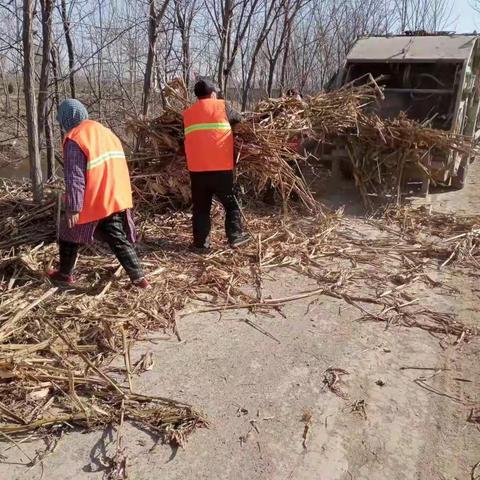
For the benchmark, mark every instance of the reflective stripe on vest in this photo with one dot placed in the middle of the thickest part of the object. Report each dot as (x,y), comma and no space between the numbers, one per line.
(207,126)
(96,162)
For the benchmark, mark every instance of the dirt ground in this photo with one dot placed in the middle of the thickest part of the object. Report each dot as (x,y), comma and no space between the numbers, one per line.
(403,412)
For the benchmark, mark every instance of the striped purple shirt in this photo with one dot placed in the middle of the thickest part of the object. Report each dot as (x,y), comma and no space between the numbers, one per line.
(75,174)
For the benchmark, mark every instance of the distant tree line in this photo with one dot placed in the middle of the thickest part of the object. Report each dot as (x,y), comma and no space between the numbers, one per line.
(115,55)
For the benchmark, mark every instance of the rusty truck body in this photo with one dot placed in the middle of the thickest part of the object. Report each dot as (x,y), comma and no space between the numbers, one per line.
(434,79)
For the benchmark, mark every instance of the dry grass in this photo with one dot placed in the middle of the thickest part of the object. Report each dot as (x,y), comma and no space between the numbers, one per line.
(57,347)
(382,152)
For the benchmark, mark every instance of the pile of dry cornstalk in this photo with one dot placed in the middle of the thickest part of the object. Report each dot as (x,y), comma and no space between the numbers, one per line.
(265,155)
(265,159)
(381,151)
(386,153)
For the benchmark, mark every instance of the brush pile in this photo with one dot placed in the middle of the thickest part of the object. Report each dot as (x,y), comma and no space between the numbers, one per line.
(265,155)
(385,154)
(382,153)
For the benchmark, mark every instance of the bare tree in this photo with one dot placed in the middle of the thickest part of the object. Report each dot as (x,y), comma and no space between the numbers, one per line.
(69,42)
(278,42)
(232,20)
(428,15)
(31,107)
(56,75)
(224,29)
(5,84)
(154,19)
(185,12)
(44,126)
(272,10)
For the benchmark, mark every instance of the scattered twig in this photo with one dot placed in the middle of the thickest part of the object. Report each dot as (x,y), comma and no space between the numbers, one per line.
(260,329)
(307,419)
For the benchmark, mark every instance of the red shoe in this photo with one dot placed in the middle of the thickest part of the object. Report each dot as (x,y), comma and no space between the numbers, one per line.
(141,283)
(56,276)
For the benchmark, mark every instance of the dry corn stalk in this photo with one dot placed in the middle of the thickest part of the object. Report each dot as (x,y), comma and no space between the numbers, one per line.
(380,150)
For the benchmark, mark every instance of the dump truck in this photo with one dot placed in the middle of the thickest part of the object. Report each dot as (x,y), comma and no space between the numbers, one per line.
(434,79)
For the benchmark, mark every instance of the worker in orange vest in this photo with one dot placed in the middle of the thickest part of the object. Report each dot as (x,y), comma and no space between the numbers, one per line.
(209,151)
(98,194)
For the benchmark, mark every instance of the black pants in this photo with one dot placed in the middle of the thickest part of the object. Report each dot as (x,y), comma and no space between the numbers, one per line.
(112,230)
(204,186)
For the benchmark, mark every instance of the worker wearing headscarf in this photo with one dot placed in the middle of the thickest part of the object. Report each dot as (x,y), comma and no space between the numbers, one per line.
(98,195)
(209,151)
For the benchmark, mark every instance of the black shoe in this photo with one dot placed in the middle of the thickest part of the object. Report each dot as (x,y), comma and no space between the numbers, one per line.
(240,240)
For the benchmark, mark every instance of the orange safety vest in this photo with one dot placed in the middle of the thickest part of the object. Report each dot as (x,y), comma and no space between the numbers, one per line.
(208,136)
(107,188)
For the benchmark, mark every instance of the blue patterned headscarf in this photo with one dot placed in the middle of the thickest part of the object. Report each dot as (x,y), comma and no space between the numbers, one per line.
(71,113)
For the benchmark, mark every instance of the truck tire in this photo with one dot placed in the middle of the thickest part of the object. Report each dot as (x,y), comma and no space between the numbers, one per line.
(459,180)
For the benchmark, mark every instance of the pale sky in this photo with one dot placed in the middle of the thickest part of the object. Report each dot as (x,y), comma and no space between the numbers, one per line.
(465,19)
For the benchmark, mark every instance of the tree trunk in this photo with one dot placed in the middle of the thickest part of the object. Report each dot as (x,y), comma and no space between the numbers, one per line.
(47,15)
(280,47)
(186,60)
(152,41)
(248,82)
(272,63)
(56,91)
(184,23)
(286,52)
(31,107)
(18,106)
(222,75)
(6,87)
(154,19)
(50,144)
(68,40)
(270,18)
(100,65)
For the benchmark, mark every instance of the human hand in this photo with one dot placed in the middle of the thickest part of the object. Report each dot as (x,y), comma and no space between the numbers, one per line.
(72,219)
